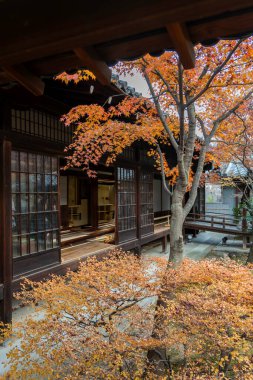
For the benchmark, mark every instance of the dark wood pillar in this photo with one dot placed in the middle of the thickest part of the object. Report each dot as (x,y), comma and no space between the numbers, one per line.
(138,209)
(244,226)
(5,232)
(116,203)
(93,207)
(165,244)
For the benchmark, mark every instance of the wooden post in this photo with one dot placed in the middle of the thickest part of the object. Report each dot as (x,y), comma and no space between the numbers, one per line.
(5,232)
(244,227)
(138,206)
(165,244)
(93,206)
(211,221)
(224,223)
(137,250)
(244,220)
(116,202)
(244,242)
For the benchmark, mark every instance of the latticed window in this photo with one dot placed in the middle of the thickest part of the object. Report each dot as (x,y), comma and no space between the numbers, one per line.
(146,196)
(40,124)
(35,226)
(126,199)
(144,158)
(129,154)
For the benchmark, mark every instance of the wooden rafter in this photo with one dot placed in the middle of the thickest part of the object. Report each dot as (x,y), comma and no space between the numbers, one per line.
(182,44)
(27,79)
(97,22)
(89,59)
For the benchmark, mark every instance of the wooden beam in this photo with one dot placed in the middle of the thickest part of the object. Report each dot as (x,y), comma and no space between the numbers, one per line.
(92,23)
(182,44)
(89,59)
(232,24)
(28,80)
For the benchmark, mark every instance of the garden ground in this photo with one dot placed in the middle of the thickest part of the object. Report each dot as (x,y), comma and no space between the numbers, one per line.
(199,248)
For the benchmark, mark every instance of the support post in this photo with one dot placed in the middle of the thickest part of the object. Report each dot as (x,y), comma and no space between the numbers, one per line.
(138,205)
(244,220)
(93,207)
(244,242)
(244,227)
(137,250)
(165,244)
(5,232)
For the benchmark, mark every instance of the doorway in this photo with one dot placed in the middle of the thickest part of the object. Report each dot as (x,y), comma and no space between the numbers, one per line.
(74,201)
(106,202)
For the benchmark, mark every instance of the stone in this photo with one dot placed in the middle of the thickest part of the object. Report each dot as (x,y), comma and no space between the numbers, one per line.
(176,353)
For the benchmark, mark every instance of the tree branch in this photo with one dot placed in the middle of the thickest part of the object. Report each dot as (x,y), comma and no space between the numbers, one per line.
(181,105)
(171,92)
(225,115)
(215,72)
(231,143)
(189,146)
(204,71)
(162,170)
(201,123)
(160,112)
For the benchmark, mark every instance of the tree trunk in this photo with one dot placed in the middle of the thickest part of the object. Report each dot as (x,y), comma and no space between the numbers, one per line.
(176,228)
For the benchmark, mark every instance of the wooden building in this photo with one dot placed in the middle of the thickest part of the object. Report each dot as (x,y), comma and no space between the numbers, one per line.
(61,36)
(51,218)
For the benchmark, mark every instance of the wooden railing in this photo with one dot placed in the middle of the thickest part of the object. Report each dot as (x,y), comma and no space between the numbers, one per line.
(220,221)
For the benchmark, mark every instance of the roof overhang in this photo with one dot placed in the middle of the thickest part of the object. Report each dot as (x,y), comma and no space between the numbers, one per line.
(43,38)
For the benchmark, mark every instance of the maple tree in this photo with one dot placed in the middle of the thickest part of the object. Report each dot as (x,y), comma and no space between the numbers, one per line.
(96,323)
(183,104)
(236,149)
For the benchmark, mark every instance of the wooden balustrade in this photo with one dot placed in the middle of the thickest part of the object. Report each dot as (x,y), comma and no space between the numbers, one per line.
(218,222)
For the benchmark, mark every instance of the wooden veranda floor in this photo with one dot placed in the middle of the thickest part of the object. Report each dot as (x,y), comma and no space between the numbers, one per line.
(70,260)
(84,250)
(72,255)
(75,236)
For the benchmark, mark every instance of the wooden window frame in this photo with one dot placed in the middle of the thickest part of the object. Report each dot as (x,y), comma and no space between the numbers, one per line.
(47,209)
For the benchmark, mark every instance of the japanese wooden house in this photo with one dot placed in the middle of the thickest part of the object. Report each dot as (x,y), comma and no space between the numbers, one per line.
(51,217)
(38,41)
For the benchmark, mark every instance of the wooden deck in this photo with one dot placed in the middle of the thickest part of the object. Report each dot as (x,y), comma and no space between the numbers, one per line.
(74,236)
(71,256)
(84,250)
(217,223)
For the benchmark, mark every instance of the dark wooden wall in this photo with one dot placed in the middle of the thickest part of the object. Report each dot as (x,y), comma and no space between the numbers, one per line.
(5,232)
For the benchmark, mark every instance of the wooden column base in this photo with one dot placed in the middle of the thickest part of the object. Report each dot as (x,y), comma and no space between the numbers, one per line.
(137,251)
(244,242)
(165,244)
